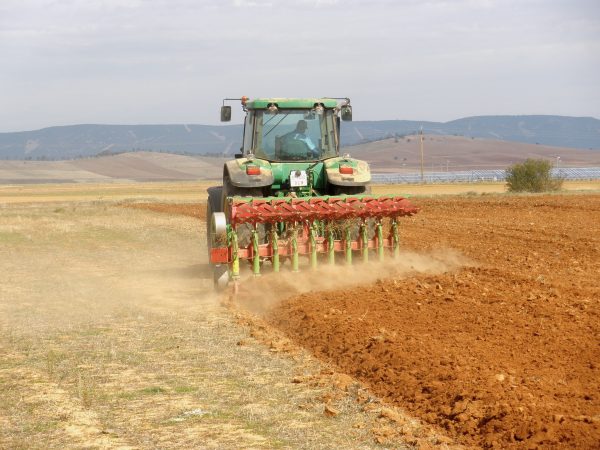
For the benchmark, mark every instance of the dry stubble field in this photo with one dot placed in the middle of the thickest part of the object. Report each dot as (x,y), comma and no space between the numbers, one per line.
(111,336)
(486,332)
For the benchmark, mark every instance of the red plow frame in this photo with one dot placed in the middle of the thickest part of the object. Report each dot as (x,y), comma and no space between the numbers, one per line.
(275,209)
(326,225)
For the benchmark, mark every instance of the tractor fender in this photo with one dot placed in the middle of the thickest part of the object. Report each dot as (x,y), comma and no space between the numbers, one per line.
(360,177)
(236,171)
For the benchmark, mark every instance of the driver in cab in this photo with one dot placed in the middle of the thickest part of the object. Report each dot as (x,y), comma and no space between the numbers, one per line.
(299,134)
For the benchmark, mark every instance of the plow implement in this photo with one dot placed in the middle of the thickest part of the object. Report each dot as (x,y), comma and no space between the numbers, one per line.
(278,231)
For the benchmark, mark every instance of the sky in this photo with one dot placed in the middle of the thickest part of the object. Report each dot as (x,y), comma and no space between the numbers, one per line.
(66,62)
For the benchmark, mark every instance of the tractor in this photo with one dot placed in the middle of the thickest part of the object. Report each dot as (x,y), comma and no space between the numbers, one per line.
(289,194)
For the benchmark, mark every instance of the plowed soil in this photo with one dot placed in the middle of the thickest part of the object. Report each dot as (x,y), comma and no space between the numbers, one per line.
(501,354)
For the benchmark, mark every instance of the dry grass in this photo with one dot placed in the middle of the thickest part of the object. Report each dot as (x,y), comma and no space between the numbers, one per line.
(196,191)
(470,188)
(110,337)
(184,191)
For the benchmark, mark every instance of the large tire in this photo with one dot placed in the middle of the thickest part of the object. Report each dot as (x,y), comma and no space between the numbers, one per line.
(244,231)
(214,205)
(350,190)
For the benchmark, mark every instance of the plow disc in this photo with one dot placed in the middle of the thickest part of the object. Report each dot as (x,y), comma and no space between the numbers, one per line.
(325,228)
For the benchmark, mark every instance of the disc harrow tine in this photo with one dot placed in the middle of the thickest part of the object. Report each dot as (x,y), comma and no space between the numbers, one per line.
(380,240)
(255,254)
(294,244)
(330,244)
(364,241)
(235,259)
(274,249)
(348,243)
(395,239)
(312,231)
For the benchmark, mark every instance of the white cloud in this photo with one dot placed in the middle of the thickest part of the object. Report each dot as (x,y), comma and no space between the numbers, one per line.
(66,58)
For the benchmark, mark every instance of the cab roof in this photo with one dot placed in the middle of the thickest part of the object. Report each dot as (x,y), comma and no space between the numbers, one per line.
(300,103)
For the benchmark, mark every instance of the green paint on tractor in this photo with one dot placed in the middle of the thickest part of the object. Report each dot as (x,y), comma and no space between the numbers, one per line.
(290,193)
(300,103)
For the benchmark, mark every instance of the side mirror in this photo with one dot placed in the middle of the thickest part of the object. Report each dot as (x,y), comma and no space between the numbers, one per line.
(225,113)
(346,113)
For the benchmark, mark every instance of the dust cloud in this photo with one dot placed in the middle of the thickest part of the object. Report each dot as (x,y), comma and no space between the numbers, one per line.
(260,294)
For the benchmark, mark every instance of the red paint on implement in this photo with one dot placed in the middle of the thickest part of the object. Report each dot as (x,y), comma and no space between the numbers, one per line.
(318,208)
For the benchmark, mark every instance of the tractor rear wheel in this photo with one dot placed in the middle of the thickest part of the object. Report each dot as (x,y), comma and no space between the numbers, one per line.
(244,230)
(350,190)
(216,226)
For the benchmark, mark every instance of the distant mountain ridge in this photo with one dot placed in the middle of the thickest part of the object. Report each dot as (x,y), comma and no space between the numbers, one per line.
(74,141)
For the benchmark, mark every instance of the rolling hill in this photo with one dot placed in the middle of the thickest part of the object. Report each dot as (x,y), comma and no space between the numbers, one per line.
(452,153)
(79,141)
(441,153)
(133,166)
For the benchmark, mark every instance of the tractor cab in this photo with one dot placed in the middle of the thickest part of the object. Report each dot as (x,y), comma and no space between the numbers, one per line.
(285,130)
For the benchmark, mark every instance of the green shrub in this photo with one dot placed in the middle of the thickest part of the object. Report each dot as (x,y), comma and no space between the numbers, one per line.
(533,175)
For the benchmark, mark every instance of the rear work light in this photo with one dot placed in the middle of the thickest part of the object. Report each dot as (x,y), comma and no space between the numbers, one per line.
(252,170)
(347,170)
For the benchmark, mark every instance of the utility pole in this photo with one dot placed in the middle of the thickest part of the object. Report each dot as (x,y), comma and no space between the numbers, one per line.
(421,145)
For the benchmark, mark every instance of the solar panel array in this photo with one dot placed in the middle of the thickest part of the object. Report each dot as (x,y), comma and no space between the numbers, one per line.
(475,176)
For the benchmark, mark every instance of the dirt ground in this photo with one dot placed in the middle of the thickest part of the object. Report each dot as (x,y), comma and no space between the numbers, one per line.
(111,337)
(501,353)
(489,330)
(485,333)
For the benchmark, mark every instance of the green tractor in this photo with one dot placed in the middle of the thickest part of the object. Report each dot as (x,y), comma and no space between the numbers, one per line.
(290,193)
